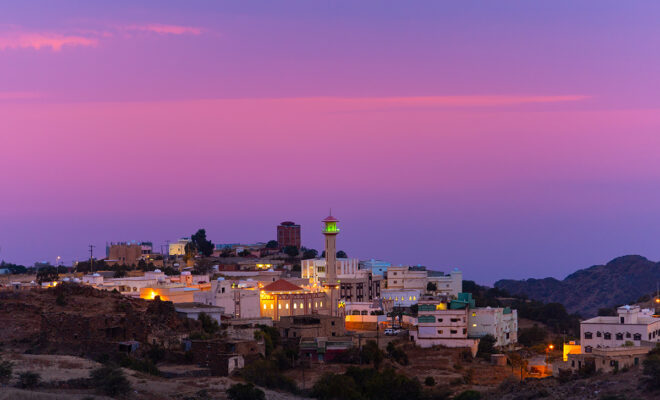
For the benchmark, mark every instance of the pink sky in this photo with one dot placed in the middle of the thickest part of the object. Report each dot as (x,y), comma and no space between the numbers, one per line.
(522,148)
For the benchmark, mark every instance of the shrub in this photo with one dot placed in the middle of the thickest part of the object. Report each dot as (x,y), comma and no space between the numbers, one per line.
(429,381)
(209,325)
(110,381)
(246,391)
(652,368)
(468,395)
(265,373)
(486,346)
(146,366)
(28,380)
(335,386)
(6,368)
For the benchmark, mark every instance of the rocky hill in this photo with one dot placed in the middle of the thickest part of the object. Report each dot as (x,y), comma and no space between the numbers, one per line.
(620,281)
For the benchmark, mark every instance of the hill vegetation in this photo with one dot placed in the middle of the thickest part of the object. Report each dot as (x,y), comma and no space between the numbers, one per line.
(621,281)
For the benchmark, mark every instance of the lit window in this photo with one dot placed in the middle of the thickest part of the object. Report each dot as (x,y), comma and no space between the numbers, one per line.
(287,306)
(271,306)
(474,314)
(414,298)
(295,305)
(409,298)
(301,305)
(316,304)
(321,304)
(264,306)
(474,325)
(279,306)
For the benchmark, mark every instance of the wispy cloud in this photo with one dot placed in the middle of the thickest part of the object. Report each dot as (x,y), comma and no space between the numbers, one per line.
(166,29)
(17,38)
(43,40)
(459,101)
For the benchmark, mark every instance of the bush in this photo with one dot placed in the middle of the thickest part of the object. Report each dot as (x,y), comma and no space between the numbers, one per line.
(333,386)
(367,383)
(146,366)
(209,325)
(468,395)
(246,391)
(531,336)
(6,368)
(652,368)
(110,381)
(429,381)
(28,380)
(265,373)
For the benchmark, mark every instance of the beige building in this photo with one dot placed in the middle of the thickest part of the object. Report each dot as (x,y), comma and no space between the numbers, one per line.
(310,326)
(129,253)
(632,326)
(607,359)
(501,323)
(283,298)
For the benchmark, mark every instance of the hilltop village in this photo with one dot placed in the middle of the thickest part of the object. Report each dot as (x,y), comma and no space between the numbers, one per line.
(292,321)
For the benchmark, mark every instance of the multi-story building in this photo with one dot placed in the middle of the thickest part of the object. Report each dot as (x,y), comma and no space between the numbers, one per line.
(288,234)
(404,277)
(438,323)
(129,253)
(377,267)
(178,248)
(632,325)
(314,269)
(501,323)
(307,326)
(240,299)
(282,298)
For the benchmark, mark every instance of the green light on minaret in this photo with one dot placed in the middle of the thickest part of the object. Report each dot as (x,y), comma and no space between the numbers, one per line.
(331,227)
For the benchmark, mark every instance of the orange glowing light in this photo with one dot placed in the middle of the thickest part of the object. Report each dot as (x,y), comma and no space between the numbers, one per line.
(552,346)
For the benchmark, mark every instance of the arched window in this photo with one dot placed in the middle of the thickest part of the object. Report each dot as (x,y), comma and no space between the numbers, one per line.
(637,336)
(588,335)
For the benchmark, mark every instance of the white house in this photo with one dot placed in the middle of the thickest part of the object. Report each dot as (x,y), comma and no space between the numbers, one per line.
(501,323)
(192,310)
(314,268)
(631,326)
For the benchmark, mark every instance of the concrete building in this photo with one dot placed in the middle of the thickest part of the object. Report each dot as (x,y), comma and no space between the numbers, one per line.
(501,323)
(129,253)
(439,324)
(192,311)
(405,277)
(282,298)
(606,359)
(322,349)
(402,297)
(631,326)
(314,269)
(377,267)
(288,234)
(178,248)
(239,299)
(310,326)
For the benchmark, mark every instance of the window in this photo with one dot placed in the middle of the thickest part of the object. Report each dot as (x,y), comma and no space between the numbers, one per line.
(264,306)
(287,306)
(628,334)
(321,304)
(622,320)
(279,306)
(453,331)
(332,323)
(440,331)
(295,305)
(271,306)
(588,349)
(598,334)
(619,336)
(222,290)
(474,314)
(637,336)
(607,336)
(455,319)
(439,319)
(588,335)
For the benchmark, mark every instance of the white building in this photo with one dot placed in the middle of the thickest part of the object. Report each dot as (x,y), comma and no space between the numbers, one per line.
(192,311)
(401,297)
(404,278)
(377,267)
(438,324)
(631,325)
(501,323)
(314,268)
(240,299)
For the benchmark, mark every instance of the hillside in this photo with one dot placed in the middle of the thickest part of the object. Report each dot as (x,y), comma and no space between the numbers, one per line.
(620,281)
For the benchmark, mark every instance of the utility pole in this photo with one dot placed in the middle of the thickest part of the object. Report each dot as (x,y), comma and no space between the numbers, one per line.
(91,258)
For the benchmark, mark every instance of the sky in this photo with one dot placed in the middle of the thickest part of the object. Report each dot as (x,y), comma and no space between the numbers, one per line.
(509,139)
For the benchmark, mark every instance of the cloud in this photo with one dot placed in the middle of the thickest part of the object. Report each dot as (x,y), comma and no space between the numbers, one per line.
(43,40)
(166,29)
(458,101)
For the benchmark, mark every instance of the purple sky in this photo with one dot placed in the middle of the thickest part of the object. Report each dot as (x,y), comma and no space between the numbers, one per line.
(509,139)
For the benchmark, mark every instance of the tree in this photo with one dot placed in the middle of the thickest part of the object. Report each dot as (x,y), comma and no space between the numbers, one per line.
(272,244)
(309,253)
(246,391)
(201,244)
(341,254)
(110,381)
(47,274)
(209,325)
(531,336)
(371,353)
(429,381)
(486,346)
(291,251)
(431,287)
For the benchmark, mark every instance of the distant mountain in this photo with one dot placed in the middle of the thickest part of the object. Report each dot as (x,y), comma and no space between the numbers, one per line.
(620,281)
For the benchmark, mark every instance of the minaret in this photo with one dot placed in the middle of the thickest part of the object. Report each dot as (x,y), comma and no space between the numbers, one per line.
(331,283)
(330,232)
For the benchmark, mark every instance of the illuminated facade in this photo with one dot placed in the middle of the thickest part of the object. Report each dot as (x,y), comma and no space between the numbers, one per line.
(238,298)
(282,298)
